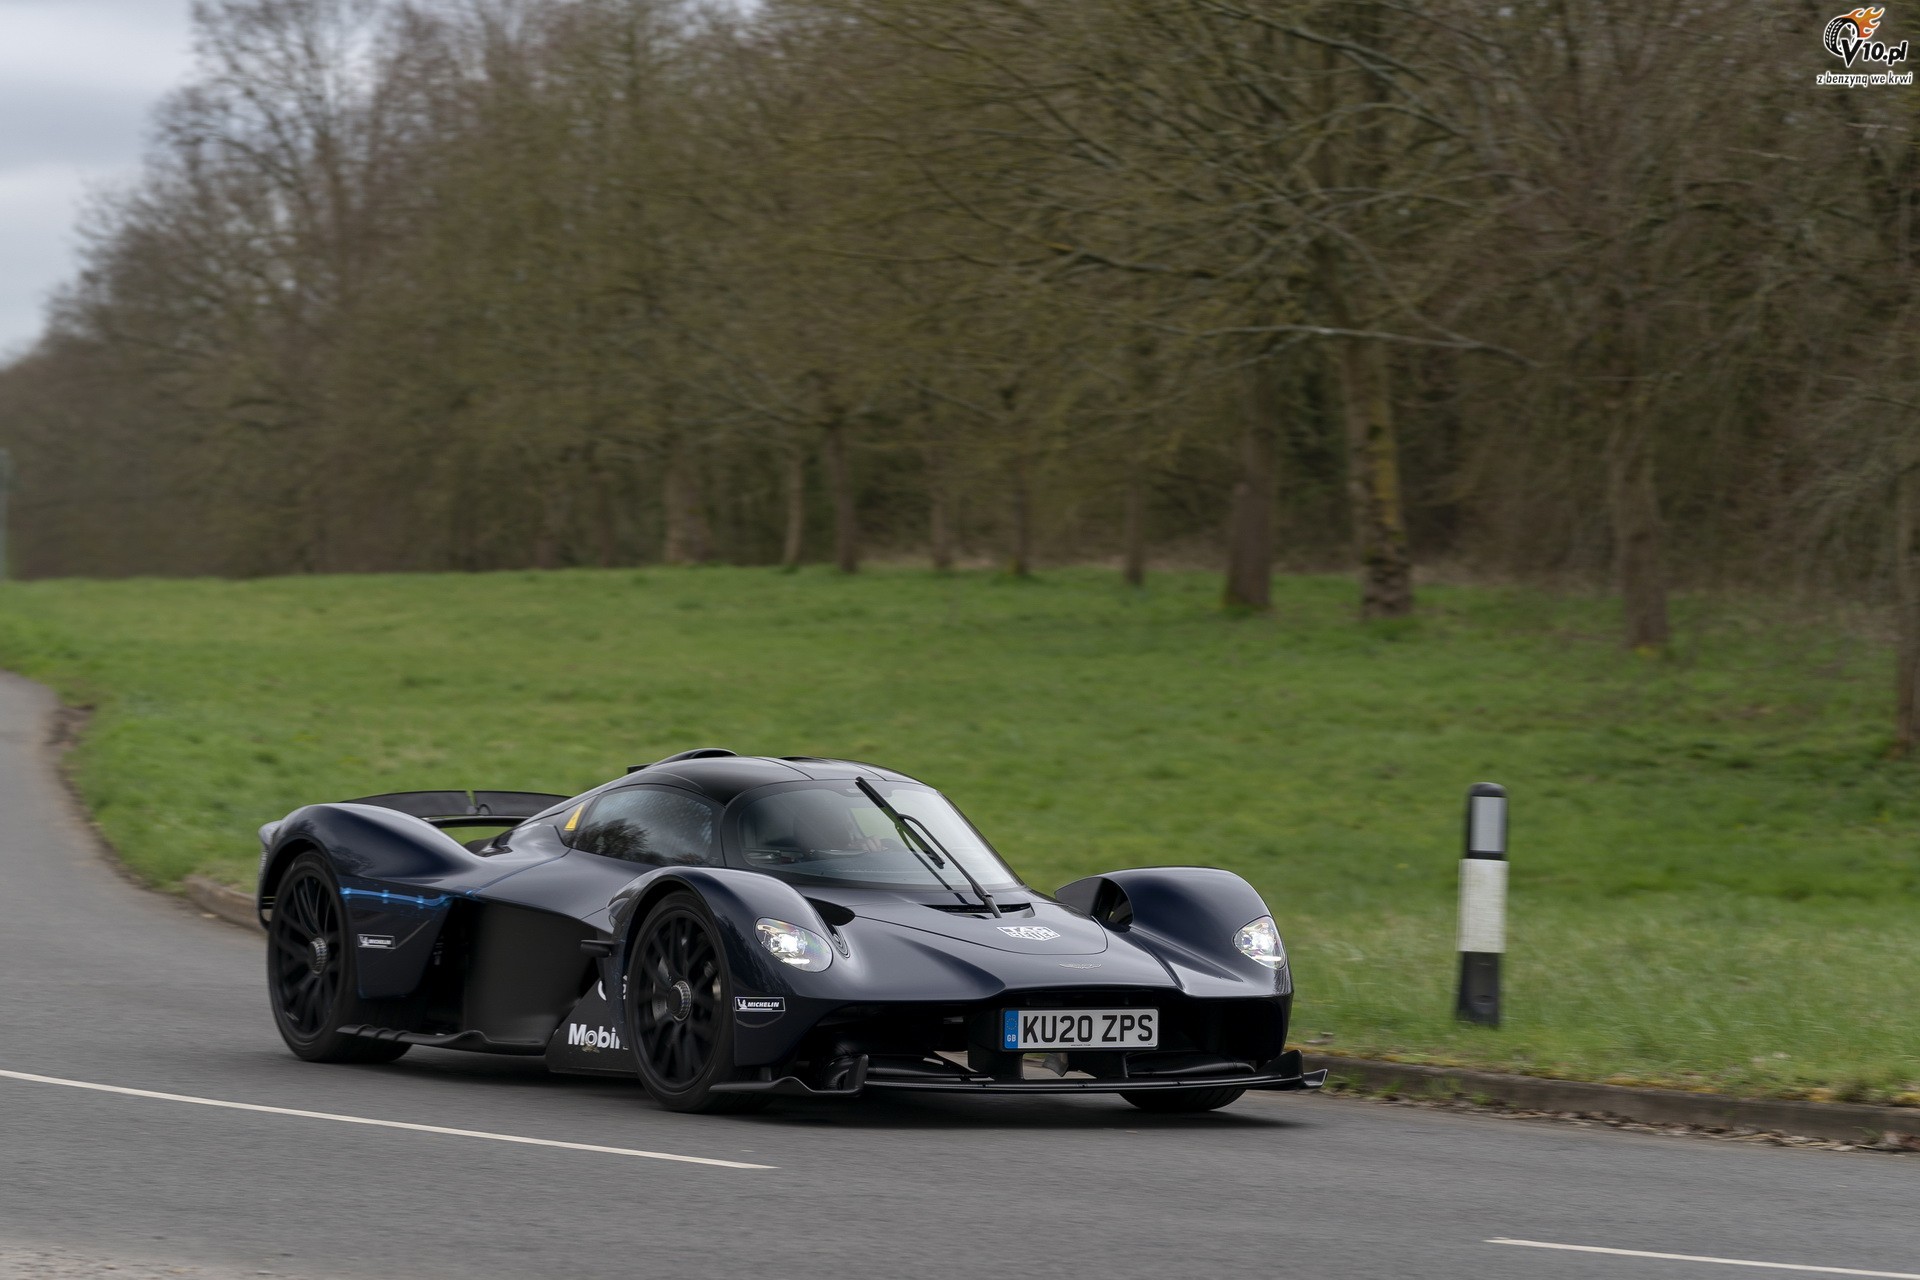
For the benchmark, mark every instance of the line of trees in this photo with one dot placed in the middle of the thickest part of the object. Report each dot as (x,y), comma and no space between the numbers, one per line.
(1538,286)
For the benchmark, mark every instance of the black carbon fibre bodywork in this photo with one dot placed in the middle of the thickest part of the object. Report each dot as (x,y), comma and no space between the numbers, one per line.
(519,943)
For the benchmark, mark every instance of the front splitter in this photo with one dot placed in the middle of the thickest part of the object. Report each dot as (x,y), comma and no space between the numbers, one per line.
(1134,1084)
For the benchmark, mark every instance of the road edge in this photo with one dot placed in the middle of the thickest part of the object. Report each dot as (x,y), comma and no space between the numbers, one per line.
(1847,1122)
(224,901)
(66,724)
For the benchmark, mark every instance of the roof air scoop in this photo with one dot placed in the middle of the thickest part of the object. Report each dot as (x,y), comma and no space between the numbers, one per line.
(698,753)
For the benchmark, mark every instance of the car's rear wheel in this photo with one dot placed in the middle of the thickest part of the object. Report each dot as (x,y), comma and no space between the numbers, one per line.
(1182,1101)
(680,1009)
(310,969)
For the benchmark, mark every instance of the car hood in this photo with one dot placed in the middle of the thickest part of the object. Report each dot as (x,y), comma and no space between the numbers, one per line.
(1047,929)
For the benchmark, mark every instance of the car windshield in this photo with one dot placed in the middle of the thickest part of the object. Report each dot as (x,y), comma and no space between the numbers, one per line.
(830,832)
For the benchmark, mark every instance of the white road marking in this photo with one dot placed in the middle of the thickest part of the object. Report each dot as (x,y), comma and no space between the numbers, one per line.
(378,1124)
(1694,1257)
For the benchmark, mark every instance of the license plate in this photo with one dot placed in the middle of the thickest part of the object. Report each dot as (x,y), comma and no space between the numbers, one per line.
(1079,1029)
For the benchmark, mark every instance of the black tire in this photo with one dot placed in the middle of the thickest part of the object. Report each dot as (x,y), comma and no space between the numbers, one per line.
(679,1002)
(1182,1102)
(311,978)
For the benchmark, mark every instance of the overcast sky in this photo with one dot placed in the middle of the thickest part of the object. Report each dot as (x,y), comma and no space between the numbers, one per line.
(77,78)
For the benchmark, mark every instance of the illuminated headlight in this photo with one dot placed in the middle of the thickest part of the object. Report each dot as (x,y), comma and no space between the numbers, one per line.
(1261,941)
(790,944)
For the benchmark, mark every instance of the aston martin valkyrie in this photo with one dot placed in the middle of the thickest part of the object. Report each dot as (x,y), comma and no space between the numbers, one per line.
(732,929)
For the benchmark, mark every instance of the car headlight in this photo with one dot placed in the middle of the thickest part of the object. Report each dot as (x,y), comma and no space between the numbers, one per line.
(1261,941)
(790,944)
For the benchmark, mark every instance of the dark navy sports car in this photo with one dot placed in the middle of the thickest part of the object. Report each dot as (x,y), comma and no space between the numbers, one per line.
(732,929)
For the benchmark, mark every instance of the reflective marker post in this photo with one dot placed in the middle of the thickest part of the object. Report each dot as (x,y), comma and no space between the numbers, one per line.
(1483,905)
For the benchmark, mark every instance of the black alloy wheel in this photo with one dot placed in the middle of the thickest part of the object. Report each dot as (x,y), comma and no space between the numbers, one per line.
(310,970)
(679,1007)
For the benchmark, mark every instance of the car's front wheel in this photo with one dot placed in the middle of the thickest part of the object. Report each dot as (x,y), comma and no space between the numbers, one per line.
(310,970)
(1182,1101)
(680,1009)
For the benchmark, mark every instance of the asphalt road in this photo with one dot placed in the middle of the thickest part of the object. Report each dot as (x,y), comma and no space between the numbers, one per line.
(102,983)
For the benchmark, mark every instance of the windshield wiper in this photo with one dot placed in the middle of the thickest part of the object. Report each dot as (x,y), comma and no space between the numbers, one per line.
(919,833)
(927,837)
(906,838)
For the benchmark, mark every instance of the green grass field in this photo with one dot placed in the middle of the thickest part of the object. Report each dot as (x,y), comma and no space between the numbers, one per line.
(1716,871)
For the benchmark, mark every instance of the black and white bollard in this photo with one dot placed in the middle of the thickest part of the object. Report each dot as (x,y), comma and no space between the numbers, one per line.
(1483,904)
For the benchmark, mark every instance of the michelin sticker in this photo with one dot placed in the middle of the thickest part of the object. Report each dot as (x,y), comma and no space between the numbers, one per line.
(759,1004)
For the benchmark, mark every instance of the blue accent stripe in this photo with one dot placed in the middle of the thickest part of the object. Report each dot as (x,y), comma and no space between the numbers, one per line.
(1010,1029)
(403,899)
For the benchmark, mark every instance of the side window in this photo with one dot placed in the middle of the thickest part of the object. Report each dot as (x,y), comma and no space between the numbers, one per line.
(658,826)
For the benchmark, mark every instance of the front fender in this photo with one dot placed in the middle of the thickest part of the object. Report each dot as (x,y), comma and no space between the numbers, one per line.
(1187,916)
(738,900)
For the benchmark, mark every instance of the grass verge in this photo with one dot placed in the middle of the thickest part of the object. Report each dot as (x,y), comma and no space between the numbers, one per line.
(1716,882)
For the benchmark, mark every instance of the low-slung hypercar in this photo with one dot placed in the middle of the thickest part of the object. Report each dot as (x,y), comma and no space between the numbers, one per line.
(732,929)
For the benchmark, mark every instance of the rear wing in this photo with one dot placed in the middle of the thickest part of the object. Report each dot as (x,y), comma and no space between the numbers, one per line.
(467,808)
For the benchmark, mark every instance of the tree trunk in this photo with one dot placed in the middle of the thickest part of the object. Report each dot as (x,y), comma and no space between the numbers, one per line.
(1020,545)
(846,522)
(1639,553)
(1133,554)
(939,517)
(546,546)
(791,546)
(1366,387)
(1906,581)
(1373,479)
(554,512)
(606,515)
(687,538)
(1250,521)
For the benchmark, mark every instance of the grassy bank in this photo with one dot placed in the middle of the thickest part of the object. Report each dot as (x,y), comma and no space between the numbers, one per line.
(1716,872)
